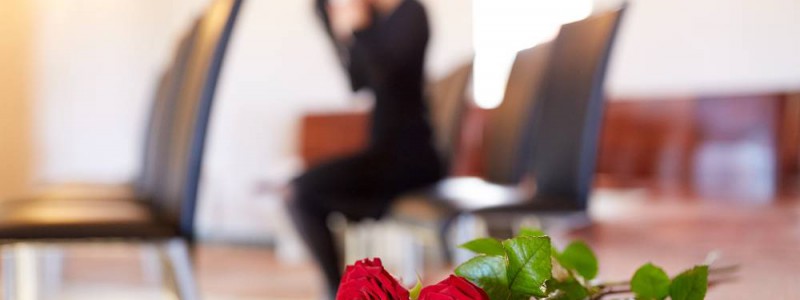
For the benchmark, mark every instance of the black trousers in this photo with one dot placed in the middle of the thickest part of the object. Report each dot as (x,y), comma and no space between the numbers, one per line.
(359,186)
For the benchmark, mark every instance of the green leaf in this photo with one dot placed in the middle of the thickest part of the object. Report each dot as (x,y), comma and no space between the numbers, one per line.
(414,292)
(569,290)
(650,283)
(529,264)
(489,273)
(579,257)
(690,285)
(488,246)
(532,232)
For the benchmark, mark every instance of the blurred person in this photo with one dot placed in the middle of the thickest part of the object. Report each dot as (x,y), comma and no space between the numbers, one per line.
(381,44)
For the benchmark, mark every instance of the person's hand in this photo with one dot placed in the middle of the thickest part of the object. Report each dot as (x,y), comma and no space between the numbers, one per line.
(348,16)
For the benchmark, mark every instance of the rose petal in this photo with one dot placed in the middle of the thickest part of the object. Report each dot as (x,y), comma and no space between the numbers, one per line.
(453,288)
(368,280)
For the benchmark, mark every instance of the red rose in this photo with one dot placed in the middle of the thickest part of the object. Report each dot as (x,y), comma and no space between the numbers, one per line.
(368,280)
(453,288)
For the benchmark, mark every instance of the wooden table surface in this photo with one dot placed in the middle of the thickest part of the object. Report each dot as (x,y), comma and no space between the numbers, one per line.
(764,239)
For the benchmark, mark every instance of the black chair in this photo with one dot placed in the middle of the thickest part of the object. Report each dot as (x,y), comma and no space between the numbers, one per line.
(562,143)
(430,212)
(163,211)
(159,125)
(548,137)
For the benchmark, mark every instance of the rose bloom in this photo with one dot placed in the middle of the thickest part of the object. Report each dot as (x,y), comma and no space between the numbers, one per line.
(453,288)
(367,280)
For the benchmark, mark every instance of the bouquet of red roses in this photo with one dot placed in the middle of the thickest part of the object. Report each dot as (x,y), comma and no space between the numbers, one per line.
(367,280)
(529,267)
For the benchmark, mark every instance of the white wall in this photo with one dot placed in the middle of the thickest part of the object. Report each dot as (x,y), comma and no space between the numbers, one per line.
(96,63)
(706,47)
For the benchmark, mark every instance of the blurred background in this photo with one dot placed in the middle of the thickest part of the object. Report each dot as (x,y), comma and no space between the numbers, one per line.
(702,102)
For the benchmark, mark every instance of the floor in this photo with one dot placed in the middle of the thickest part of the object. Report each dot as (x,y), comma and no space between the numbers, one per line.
(630,228)
(127,271)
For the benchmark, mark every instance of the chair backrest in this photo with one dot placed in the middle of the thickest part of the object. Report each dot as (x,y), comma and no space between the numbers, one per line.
(176,197)
(156,140)
(568,113)
(446,106)
(505,128)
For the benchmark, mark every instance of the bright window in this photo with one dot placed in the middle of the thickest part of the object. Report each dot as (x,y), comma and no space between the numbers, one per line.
(504,27)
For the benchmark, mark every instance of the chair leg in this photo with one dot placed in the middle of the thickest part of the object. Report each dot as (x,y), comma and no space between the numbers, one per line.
(52,270)
(443,235)
(404,248)
(9,272)
(20,272)
(357,242)
(151,264)
(177,265)
(466,228)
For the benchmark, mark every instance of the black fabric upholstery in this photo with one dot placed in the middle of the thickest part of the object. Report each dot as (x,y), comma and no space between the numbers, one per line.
(75,218)
(159,125)
(175,197)
(506,126)
(176,200)
(568,115)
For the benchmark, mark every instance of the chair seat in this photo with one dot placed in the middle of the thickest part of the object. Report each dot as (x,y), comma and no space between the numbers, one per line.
(454,195)
(86,191)
(73,218)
